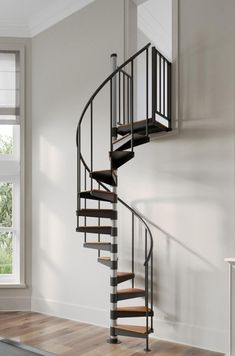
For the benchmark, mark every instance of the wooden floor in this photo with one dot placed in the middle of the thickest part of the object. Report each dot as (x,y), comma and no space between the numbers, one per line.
(69,338)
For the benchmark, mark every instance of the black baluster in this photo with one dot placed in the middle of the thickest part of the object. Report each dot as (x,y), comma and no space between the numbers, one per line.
(160,83)
(99,222)
(132,104)
(154,83)
(133,248)
(111,118)
(152,290)
(169,97)
(146,293)
(124,97)
(78,173)
(91,113)
(128,100)
(147,89)
(164,99)
(85,177)
(119,97)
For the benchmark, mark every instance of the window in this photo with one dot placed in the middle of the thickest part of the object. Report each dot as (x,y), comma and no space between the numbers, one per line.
(11,165)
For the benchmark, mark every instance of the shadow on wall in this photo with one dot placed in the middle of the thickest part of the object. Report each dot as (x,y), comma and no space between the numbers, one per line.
(171,276)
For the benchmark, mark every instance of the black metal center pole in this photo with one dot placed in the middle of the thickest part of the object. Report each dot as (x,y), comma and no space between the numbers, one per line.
(114,246)
(113,276)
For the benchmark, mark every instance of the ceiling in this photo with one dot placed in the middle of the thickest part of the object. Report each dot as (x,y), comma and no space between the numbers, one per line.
(26,18)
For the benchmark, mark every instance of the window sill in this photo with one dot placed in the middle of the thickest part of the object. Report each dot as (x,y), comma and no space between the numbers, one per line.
(13,285)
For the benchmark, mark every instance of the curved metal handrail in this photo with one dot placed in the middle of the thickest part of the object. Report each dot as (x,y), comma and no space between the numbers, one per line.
(131,209)
(105,82)
(110,77)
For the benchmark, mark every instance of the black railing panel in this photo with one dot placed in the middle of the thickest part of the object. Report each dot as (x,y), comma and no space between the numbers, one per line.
(124,97)
(161,88)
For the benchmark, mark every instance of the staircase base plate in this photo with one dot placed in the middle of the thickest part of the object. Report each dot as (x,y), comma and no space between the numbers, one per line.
(113,341)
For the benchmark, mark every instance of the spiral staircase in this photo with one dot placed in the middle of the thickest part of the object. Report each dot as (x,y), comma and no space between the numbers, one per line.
(97,190)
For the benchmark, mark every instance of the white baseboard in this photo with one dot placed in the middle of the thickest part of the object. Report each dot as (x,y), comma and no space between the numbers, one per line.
(81,313)
(15,303)
(195,336)
(192,335)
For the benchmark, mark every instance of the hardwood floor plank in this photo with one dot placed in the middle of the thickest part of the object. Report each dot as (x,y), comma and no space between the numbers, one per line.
(69,338)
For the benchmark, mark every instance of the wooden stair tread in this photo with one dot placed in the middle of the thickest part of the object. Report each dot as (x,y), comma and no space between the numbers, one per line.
(104,171)
(97,191)
(96,210)
(106,230)
(95,226)
(125,141)
(101,191)
(140,127)
(132,312)
(134,328)
(130,290)
(98,194)
(121,138)
(106,176)
(135,123)
(134,309)
(104,258)
(98,243)
(118,158)
(122,154)
(123,274)
(98,213)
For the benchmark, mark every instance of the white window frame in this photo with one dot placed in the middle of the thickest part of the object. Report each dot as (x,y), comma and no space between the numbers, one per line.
(18,280)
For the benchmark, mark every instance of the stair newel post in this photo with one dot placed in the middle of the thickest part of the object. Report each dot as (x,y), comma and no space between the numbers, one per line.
(114,246)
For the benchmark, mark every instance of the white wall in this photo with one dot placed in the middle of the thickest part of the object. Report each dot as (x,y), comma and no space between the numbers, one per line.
(155,22)
(69,61)
(184,184)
